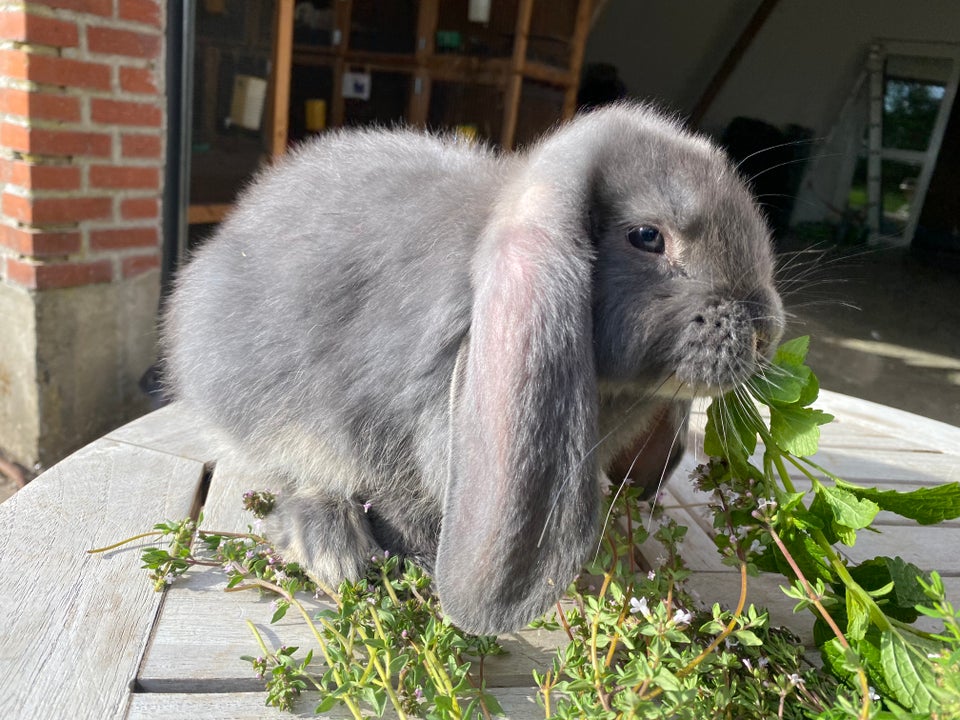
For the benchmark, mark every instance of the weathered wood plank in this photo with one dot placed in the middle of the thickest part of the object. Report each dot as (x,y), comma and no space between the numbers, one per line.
(891,422)
(517,703)
(174,430)
(74,624)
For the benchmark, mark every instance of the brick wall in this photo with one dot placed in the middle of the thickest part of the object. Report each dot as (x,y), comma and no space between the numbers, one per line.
(81,118)
(82,126)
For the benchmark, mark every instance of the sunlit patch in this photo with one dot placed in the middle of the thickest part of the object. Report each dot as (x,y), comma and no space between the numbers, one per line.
(909,356)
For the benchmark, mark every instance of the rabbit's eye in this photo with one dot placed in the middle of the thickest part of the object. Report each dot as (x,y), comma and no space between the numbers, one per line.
(646,238)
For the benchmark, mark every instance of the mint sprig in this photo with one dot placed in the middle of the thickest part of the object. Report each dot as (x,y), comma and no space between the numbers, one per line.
(864,611)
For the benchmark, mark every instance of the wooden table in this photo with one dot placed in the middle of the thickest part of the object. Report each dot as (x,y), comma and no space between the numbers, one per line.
(86,636)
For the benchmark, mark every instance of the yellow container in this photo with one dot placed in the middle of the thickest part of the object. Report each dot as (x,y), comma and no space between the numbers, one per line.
(316,111)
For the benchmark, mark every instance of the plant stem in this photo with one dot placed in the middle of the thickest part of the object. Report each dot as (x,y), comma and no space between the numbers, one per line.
(267,653)
(595,629)
(258,582)
(385,673)
(861,674)
(726,631)
(152,533)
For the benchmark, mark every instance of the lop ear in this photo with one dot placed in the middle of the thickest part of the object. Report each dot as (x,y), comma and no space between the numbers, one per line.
(521,509)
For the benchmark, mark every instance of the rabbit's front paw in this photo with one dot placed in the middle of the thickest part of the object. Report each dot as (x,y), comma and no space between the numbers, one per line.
(328,536)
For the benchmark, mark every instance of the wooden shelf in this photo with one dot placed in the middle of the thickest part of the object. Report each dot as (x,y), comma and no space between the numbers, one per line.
(489,81)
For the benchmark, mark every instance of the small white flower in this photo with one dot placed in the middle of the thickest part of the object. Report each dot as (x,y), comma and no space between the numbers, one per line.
(874,695)
(682,617)
(651,575)
(366,506)
(763,661)
(747,665)
(640,606)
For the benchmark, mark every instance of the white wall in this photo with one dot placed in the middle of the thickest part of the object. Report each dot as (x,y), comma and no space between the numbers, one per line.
(799,69)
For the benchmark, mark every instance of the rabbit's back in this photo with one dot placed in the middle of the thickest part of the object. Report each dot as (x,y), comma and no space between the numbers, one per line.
(326,313)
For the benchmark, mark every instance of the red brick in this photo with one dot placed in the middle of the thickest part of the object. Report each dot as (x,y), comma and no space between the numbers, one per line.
(139,208)
(21,273)
(117,239)
(39,244)
(13,63)
(92,7)
(42,141)
(141,146)
(121,112)
(42,106)
(55,211)
(15,137)
(138,80)
(122,42)
(113,176)
(37,29)
(139,264)
(58,275)
(140,11)
(64,72)
(43,177)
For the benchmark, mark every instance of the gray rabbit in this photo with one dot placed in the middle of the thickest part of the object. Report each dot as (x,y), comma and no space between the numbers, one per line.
(438,349)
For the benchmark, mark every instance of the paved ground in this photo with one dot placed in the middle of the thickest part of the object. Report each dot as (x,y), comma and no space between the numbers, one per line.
(885,326)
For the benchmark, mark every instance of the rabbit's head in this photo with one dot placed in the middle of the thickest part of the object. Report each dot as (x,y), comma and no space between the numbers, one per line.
(622,250)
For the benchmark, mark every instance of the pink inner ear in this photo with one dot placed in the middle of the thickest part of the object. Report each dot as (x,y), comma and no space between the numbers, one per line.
(498,367)
(500,341)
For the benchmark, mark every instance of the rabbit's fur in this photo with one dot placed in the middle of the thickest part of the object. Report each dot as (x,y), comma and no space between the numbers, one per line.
(437,349)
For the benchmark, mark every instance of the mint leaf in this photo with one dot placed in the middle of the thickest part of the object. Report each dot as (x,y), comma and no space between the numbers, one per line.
(731,430)
(858,616)
(792,352)
(796,429)
(848,510)
(781,385)
(908,676)
(927,505)
(905,594)
(810,391)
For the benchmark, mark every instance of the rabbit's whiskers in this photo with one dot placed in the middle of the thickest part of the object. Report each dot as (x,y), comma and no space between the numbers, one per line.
(663,474)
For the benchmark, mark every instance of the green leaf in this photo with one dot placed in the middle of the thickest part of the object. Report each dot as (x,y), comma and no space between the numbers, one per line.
(848,510)
(806,553)
(748,637)
(927,505)
(493,705)
(858,616)
(901,577)
(282,608)
(810,392)
(908,676)
(731,429)
(796,429)
(326,705)
(842,661)
(792,352)
(781,385)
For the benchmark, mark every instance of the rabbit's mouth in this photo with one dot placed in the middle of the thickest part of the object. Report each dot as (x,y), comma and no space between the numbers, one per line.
(724,345)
